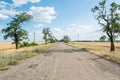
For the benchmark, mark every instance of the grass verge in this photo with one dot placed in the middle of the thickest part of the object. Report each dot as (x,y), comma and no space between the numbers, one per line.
(14,58)
(99,49)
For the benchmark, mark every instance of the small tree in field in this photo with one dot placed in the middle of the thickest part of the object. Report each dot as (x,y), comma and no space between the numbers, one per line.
(103,38)
(109,18)
(48,37)
(46,32)
(66,39)
(14,29)
(51,38)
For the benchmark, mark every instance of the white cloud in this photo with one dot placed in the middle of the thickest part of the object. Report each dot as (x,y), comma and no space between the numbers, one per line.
(39,26)
(34,1)
(1,27)
(5,13)
(3,16)
(23,2)
(57,29)
(86,32)
(72,25)
(57,32)
(4,4)
(8,12)
(81,29)
(43,14)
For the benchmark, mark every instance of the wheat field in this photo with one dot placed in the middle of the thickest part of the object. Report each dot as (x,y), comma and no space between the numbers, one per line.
(8,47)
(100,48)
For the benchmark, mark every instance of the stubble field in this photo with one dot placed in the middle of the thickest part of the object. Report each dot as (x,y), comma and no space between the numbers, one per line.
(100,48)
(8,47)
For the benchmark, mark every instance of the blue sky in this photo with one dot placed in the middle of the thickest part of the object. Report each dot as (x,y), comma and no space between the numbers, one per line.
(64,17)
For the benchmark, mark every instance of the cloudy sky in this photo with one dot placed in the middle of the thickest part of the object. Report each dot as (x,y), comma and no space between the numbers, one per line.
(64,17)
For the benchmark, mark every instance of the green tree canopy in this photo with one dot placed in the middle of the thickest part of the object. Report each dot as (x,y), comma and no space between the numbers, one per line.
(14,29)
(48,37)
(109,18)
(52,39)
(65,39)
(46,32)
(103,38)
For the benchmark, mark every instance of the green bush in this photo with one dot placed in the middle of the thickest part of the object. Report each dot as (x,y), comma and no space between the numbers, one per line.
(112,57)
(3,65)
(26,44)
(12,62)
(65,39)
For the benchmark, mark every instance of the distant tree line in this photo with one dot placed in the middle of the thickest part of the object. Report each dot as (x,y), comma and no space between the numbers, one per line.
(49,38)
(65,39)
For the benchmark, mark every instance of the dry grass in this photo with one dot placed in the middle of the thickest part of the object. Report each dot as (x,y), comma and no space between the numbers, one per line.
(12,57)
(100,48)
(8,47)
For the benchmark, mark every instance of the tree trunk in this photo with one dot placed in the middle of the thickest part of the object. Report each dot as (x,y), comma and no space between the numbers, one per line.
(16,41)
(45,38)
(112,48)
(16,44)
(110,35)
(45,41)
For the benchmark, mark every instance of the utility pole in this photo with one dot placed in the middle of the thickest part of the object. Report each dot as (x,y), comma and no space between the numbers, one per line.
(34,37)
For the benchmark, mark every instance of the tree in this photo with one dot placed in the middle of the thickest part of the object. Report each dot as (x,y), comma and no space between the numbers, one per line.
(14,29)
(114,37)
(102,38)
(48,37)
(109,18)
(65,39)
(51,38)
(46,32)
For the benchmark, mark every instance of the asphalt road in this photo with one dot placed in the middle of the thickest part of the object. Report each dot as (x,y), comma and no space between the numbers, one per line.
(63,62)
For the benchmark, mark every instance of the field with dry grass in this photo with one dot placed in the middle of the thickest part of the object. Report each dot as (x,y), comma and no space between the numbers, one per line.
(8,47)
(100,48)
(11,56)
